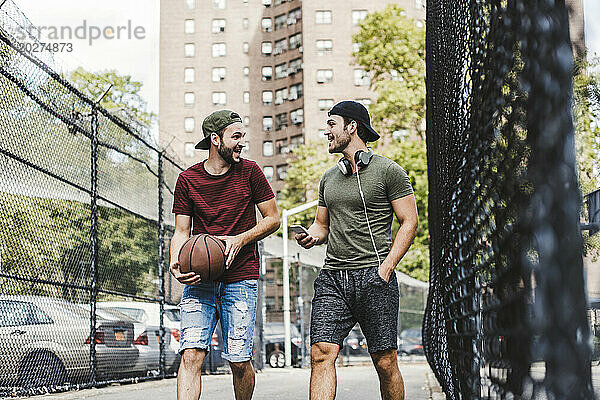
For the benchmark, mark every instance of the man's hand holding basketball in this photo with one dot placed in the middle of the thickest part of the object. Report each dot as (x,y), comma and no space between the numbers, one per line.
(233,245)
(306,241)
(191,278)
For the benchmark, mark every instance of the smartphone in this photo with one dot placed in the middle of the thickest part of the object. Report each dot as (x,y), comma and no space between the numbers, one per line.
(299,229)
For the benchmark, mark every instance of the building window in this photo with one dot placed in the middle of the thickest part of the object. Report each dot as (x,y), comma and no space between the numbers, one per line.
(364,102)
(266,48)
(295,41)
(280,21)
(295,66)
(294,16)
(324,46)
(325,104)
(246,123)
(219,98)
(189,149)
(282,172)
(267,124)
(357,16)
(246,97)
(296,141)
(323,17)
(281,146)
(267,73)
(245,47)
(189,49)
(280,46)
(245,23)
(281,95)
(218,74)
(280,71)
(361,78)
(189,98)
(267,24)
(190,4)
(188,124)
(281,121)
(219,50)
(297,116)
(219,4)
(218,25)
(246,71)
(324,75)
(190,26)
(188,75)
(267,97)
(268,171)
(267,148)
(295,91)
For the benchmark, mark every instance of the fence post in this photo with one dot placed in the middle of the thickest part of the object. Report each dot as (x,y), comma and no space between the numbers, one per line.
(161,278)
(93,244)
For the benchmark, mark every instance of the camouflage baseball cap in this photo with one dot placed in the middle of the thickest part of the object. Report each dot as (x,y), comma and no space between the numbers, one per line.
(214,123)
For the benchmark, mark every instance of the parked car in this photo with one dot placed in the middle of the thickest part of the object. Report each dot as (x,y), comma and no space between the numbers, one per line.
(147,341)
(45,341)
(274,337)
(410,342)
(355,342)
(149,313)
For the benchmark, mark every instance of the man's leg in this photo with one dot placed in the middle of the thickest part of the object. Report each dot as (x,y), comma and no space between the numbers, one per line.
(238,314)
(189,383)
(323,379)
(391,383)
(243,379)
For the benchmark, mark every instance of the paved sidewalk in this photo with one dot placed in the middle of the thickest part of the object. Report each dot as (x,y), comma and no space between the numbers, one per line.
(355,382)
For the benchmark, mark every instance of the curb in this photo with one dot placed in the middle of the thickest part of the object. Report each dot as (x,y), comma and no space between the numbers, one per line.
(435,390)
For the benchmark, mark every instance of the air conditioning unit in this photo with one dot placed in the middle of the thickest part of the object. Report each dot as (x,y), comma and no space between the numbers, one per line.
(278,101)
(300,49)
(297,120)
(293,96)
(222,29)
(321,80)
(268,29)
(291,21)
(291,71)
(268,129)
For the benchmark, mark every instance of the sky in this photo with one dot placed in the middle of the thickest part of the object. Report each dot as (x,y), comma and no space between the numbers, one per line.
(140,57)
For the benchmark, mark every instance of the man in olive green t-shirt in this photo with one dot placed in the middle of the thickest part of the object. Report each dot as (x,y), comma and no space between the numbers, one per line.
(357,201)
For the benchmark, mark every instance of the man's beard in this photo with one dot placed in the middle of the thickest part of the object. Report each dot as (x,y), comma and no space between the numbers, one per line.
(227,154)
(340,143)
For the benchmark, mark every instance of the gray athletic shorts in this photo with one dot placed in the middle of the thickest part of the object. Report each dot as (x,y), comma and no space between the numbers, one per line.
(344,297)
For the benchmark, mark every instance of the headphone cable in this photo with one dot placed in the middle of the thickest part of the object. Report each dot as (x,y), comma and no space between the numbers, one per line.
(362,196)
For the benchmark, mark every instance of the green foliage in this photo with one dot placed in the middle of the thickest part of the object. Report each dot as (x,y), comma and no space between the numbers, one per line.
(125,92)
(392,50)
(586,111)
(50,239)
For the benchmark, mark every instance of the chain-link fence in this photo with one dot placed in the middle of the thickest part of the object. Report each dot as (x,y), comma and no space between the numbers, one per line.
(84,218)
(506,315)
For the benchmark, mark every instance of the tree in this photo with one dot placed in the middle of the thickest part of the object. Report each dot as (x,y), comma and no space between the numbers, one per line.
(391,49)
(586,111)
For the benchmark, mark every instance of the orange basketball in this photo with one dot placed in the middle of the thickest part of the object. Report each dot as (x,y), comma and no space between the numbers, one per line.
(203,254)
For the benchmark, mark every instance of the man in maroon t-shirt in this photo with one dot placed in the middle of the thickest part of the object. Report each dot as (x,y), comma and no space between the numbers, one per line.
(218,196)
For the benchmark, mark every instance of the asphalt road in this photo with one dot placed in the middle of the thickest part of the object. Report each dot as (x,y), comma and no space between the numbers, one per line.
(355,382)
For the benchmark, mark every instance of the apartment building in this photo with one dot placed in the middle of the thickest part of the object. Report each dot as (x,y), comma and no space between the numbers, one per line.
(280,64)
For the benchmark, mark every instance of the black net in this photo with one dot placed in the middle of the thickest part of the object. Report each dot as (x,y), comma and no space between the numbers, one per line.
(506,315)
(84,225)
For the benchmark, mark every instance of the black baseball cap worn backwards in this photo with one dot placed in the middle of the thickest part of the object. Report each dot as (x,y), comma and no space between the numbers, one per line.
(356,111)
(214,123)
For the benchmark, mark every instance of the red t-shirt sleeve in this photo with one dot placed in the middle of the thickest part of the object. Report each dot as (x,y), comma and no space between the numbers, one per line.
(182,203)
(261,190)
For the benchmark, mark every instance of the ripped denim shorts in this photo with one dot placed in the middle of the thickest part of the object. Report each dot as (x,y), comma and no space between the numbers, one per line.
(234,304)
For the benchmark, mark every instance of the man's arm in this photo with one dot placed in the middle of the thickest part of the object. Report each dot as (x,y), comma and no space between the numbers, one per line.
(183,225)
(318,231)
(269,224)
(405,209)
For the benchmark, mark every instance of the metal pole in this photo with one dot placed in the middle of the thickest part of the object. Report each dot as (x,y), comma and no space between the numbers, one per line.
(301,307)
(260,325)
(93,244)
(161,264)
(286,293)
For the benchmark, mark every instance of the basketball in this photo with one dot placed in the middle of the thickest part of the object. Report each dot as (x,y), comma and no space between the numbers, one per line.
(203,254)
